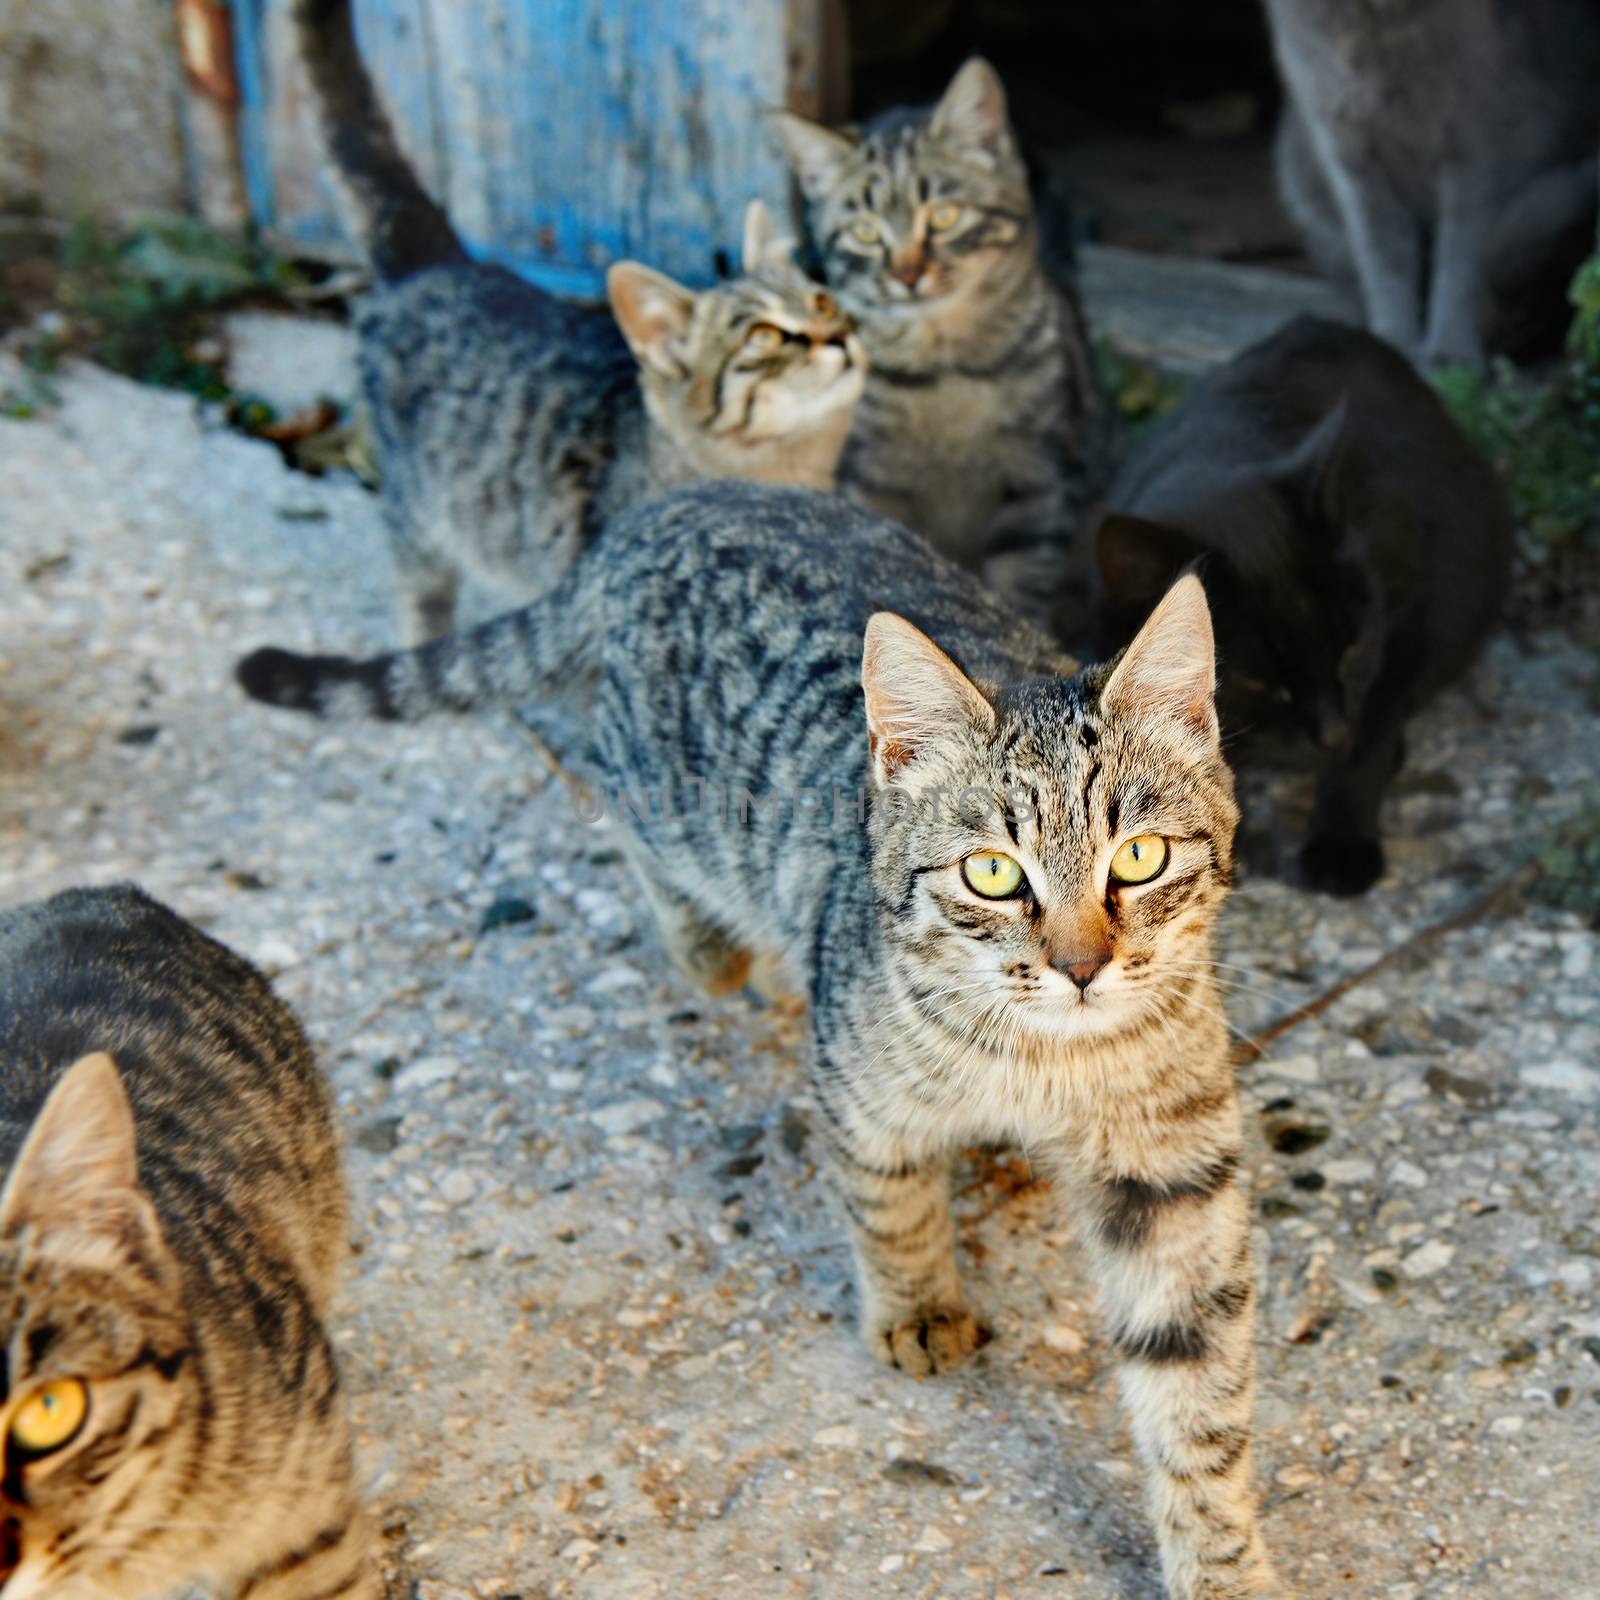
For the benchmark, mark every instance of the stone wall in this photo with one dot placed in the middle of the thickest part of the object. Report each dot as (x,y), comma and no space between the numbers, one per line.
(91,98)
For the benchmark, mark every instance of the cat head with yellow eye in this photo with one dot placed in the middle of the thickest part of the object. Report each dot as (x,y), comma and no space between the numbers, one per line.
(93,1327)
(766,358)
(1057,848)
(916,207)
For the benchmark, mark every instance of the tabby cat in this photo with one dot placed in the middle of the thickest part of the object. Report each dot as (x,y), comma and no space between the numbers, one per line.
(981,425)
(995,880)
(170,1233)
(1353,544)
(509,424)
(1443,154)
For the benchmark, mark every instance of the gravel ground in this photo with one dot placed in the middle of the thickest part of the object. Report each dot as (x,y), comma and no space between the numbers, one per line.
(597,1323)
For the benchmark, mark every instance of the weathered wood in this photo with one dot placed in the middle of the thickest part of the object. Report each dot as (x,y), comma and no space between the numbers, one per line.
(561,134)
(290,197)
(1189,315)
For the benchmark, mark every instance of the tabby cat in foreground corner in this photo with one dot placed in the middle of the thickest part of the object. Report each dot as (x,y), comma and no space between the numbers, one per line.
(981,425)
(171,1229)
(510,424)
(1014,944)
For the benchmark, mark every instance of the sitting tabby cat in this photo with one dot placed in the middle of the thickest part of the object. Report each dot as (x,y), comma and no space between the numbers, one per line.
(170,1233)
(981,425)
(1443,153)
(1353,543)
(1015,944)
(509,425)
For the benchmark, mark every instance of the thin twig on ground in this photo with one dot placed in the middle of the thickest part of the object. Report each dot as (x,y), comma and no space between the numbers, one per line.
(1497,897)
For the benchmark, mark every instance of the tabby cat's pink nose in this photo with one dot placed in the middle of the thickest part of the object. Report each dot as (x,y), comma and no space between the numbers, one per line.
(1082,969)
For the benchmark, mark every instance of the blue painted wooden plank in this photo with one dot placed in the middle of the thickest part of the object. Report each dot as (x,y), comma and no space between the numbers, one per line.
(561,134)
(287,187)
(254,109)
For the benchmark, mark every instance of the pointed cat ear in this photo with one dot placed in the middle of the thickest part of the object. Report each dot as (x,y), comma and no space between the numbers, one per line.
(1170,669)
(973,110)
(915,694)
(654,314)
(764,246)
(78,1170)
(1313,471)
(1139,558)
(816,154)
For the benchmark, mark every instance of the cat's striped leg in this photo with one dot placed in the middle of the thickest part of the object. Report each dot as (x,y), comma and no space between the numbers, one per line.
(704,953)
(1171,1246)
(914,1315)
(428,581)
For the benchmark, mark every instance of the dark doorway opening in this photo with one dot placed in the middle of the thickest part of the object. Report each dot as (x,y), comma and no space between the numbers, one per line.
(1154,117)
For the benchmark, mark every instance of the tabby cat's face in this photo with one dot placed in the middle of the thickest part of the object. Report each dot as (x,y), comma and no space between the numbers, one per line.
(1066,884)
(770,355)
(101,1424)
(916,209)
(767,358)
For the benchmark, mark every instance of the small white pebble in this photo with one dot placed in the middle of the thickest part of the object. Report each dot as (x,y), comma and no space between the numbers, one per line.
(842,1437)
(1427,1259)
(1064,1337)
(1353,1169)
(458,1187)
(1298,1069)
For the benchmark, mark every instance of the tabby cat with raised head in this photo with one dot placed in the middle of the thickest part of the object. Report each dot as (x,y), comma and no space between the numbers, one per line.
(995,876)
(172,1224)
(981,424)
(509,424)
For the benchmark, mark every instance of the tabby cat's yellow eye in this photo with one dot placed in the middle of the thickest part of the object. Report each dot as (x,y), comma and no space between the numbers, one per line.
(864,230)
(944,215)
(764,336)
(992,875)
(1139,860)
(50,1417)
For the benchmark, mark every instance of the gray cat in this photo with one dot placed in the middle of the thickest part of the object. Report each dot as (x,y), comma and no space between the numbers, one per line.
(172,1226)
(995,878)
(981,425)
(509,424)
(1443,154)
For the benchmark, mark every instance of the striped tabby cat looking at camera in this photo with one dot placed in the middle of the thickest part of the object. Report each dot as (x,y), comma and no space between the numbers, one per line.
(995,878)
(172,1224)
(981,425)
(510,425)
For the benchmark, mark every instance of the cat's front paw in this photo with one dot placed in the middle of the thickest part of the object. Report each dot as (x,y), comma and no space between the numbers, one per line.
(1338,864)
(927,1342)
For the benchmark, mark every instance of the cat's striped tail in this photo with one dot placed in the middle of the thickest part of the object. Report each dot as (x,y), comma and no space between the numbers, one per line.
(515,658)
(398,226)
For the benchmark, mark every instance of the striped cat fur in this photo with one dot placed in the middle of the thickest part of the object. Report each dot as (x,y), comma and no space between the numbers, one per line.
(873,720)
(172,1225)
(509,424)
(982,424)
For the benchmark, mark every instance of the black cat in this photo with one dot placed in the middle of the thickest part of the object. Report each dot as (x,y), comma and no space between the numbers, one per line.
(1353,544)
